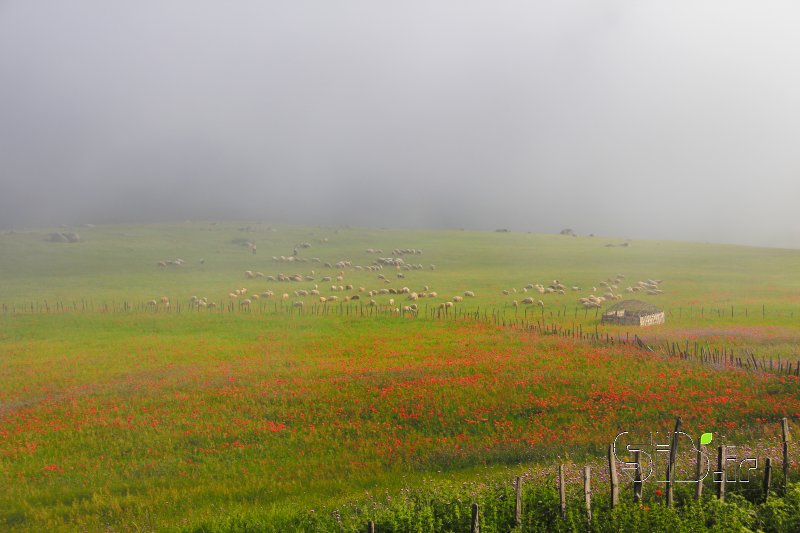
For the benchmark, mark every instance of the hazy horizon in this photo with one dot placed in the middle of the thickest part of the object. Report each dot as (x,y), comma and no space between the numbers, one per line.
(645,121)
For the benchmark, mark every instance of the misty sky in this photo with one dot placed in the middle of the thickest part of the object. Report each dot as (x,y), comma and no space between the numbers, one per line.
(635,119)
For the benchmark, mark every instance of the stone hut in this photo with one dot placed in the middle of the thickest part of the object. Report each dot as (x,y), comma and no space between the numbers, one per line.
(633,312)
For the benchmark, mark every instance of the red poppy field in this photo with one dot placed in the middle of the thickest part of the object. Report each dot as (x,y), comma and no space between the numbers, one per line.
(151,420)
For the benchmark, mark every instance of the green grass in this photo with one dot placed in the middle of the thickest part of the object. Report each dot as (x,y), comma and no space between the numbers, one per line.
(151,419)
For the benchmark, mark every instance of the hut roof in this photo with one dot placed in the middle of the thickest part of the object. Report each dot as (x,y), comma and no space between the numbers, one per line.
(634,308)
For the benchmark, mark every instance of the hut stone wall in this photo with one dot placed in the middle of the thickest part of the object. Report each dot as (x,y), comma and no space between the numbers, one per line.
(619,317)
(651,320)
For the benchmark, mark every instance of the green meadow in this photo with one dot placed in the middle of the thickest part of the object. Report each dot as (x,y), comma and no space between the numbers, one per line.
(120,415)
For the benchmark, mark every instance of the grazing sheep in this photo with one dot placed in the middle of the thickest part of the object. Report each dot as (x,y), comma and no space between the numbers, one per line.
(298,304)
(391,301)
(433,294)
(469,294)
(413,296)
(285,296)
(164,300)
(245,303)
(152,303)
(249,274)
(232,295)
(448,305)
(458,299)
(505,292)
(528,301)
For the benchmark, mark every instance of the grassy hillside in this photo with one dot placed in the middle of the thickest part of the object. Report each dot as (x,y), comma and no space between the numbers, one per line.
(119,263)
(138,418)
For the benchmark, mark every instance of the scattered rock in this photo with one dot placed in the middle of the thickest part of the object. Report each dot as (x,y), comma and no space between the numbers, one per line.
(69,236)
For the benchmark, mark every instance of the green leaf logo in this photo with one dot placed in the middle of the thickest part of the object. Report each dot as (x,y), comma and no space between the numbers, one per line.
(705,438)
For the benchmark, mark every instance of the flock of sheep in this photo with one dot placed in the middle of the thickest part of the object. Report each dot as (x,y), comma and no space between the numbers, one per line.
(401,300)
(593,300)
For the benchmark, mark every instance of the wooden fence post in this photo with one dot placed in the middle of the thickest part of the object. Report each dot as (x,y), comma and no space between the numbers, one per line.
(673,452)
(637,480)
(562,490)
(518,506)
(767,477)
(475,528)
(786,437)
(698,476)
(612,469)
(721,469)
(587,491)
